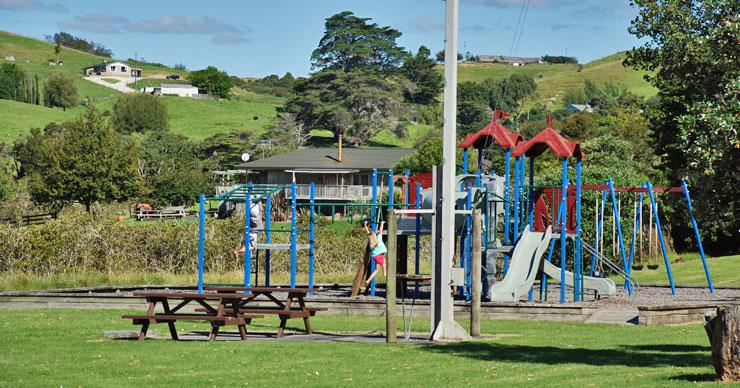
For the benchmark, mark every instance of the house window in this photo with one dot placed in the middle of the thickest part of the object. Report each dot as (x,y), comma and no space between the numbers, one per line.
(123,69)
(112,68)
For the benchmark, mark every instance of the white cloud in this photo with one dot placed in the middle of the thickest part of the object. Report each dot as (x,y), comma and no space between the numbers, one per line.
(32,5)
(221,32)
(518,3)
(426,24)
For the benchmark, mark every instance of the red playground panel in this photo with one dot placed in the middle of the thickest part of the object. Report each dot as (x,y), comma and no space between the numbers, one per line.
(424,179)
(546,207)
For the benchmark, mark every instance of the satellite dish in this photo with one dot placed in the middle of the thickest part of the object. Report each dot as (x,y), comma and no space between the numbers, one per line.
(245,157)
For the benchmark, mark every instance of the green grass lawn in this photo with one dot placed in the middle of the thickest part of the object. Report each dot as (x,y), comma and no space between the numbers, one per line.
(687,270)
(17,118)
(67,348)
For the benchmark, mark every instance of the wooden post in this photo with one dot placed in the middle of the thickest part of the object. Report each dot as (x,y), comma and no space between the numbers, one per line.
(475,274)
(390,281)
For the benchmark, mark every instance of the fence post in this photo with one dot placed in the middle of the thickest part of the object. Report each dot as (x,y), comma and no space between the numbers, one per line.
(390,281)
(475,274)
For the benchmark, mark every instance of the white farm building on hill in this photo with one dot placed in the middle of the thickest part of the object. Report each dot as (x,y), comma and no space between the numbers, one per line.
(182,90)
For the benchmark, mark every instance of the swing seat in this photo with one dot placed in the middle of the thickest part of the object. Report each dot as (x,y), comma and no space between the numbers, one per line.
(637,267)
(653,266)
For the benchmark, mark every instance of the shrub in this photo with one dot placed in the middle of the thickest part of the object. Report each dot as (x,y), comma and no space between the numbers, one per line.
(139,113)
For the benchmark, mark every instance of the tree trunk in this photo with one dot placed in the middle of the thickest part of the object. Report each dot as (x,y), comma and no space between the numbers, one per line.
(724,337)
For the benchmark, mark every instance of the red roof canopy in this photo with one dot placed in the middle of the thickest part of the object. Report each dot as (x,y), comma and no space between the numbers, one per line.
(493,132)
(549,138)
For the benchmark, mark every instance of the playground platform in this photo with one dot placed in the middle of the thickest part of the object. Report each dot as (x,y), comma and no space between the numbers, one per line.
(654,305)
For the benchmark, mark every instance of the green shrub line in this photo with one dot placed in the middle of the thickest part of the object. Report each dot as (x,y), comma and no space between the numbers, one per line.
(78,243)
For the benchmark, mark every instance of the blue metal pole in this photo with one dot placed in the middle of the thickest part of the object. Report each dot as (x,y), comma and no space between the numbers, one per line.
(627,284)
(522,203)
(390,189)
(374,225)
(517,167)
(478,179)
(201,240)
(247,239)
(698,236)
(507,206)
(531,193)
(635,227)
(660,237)
(577,271)
(417,235)
(563,227)
(268,237)
(293,236)
(531,209)
(311,234)
(465,161)
(406,189)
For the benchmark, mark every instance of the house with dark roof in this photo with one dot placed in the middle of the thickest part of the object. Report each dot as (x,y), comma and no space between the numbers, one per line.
(339,174)
(113,68)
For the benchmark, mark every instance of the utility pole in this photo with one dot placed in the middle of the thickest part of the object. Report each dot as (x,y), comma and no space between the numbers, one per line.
(446,327)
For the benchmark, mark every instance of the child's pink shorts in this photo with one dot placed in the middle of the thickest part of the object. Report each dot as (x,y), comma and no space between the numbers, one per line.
(379,259)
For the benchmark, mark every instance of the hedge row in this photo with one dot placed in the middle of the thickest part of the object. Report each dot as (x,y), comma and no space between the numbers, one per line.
(76,242)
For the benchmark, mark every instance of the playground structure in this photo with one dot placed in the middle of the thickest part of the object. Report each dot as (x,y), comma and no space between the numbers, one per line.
(526,217)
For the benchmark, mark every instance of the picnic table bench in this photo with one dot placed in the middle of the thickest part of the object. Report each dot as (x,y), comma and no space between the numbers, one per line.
(226,312)
(167,213)
(284,308)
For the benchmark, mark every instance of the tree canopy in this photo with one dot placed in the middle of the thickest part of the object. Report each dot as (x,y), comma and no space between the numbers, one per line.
(60,91)
(140,113)
(427,82)
(213,81)
(84,161)
(694,51)
(356,104)
(68,40)
(352,43)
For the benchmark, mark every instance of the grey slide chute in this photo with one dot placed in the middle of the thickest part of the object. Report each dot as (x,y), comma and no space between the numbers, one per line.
(526,260)
(604,286)
(523,266)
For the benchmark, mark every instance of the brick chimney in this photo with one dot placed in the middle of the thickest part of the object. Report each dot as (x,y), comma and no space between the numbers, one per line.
(339,152)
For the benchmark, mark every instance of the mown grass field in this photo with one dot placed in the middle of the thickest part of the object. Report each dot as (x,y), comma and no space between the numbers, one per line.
(687,270)
(67,348)
(17,118)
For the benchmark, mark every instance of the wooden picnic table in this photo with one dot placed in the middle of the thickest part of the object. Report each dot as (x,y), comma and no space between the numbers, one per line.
(226,312)
(285,308)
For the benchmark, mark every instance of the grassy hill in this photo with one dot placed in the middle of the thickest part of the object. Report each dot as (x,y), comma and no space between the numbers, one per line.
(196,119)
(554,80)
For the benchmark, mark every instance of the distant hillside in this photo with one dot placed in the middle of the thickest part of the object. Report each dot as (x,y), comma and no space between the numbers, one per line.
(196,119)
(554,80)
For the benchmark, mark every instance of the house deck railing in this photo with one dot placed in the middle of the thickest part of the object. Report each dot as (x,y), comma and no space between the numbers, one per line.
(335,192)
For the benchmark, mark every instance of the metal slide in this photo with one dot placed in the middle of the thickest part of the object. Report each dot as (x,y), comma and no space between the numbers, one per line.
(523,266)
(603,286)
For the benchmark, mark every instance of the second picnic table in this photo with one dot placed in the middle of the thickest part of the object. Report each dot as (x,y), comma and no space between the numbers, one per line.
(293,305)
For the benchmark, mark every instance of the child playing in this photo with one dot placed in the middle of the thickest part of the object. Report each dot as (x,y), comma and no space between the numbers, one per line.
(377,251)
(256,225)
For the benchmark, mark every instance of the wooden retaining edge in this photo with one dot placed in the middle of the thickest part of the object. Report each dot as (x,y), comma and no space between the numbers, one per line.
(678,314)
(335,306)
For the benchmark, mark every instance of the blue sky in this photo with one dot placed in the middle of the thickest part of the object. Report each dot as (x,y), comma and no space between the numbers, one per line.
(258,38)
